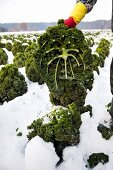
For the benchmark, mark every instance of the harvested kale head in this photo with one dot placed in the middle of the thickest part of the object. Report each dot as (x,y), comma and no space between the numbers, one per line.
(64,57)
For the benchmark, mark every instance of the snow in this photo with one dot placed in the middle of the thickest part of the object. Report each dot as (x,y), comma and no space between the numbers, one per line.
(16,153)
(40,155)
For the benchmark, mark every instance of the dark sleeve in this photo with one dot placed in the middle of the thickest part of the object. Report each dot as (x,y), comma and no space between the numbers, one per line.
(111,76)
(88,3)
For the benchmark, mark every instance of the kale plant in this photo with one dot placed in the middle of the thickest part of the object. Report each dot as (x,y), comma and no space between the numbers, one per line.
(31,72)
(2,45)
(12,83)
(19,60)
(17,47)
(30,50)
(102,51)
(103,48)
(90,41)
(62,129)
(8,46)
(3,57)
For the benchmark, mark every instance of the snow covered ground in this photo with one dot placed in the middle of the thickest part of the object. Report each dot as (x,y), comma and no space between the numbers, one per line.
(17,154)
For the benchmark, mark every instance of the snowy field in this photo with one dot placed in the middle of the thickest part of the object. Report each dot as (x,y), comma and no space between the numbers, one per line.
(15,151)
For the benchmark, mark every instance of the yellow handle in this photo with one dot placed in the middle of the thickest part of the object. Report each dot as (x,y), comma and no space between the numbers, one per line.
(78,12)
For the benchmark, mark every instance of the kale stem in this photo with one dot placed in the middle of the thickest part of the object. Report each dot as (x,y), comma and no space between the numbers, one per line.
(64,53)
(82,60)
(56,72)
(73,50)
(52,50)
(65,67)
(74,58)
(53,60)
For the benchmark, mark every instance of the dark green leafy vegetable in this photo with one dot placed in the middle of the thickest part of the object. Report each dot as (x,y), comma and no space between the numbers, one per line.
(19,60)
(12,83)
(2,45)
(17,47)
(30,69)
(96,158)
(105,131)
(103,48)
(90,41)
(31,72)
(8,46)
(3,57)
(62,129)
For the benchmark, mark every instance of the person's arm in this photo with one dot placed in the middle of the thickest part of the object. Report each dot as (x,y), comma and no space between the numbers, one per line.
(79,11)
